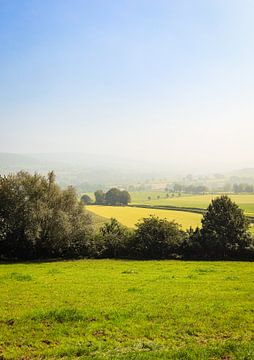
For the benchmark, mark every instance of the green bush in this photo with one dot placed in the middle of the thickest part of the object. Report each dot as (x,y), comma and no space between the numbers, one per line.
(38,219)
(112,241)
(157,238)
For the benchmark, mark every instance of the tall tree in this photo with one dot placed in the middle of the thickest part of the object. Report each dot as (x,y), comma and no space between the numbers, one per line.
(86,200)
(224,229)
(117,197)
(39,219)
(125,197)
(99,197)
(113,197)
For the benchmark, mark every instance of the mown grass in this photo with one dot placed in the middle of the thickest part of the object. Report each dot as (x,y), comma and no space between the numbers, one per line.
(129,216)
(246,201)
(109,309)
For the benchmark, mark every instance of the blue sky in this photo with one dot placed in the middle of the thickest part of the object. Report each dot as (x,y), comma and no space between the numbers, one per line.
(167,81)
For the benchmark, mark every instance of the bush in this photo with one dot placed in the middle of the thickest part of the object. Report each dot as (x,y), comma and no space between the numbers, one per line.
(192,247)
(112,241)
(157,238)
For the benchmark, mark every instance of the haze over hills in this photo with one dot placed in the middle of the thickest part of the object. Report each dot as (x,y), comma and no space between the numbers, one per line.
(89,172)
(76,168)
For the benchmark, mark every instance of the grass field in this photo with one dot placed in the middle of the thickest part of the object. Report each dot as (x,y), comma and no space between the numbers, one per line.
(246,202)
(129,216)
(109,309)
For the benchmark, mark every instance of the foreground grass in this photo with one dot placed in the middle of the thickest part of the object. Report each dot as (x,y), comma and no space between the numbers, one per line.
(108,309)
(129,216)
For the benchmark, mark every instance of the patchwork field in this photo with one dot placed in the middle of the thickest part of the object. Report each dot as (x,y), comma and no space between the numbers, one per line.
(129,216)
(246,202)
(108,309)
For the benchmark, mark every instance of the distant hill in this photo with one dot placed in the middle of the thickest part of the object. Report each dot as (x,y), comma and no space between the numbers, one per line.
(14,162)
(244,172)
(86,172)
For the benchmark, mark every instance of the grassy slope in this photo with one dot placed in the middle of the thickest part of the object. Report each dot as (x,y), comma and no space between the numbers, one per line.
(109,309)
(130,216)
(97,220)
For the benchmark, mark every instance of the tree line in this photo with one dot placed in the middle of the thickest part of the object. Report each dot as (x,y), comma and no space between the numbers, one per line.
(243,188)
(39,220)
(202,189)
(190,189)
(113,196)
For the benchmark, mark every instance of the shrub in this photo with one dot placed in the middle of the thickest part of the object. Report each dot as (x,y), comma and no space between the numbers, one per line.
(157,238)
(192,247)
(112,241)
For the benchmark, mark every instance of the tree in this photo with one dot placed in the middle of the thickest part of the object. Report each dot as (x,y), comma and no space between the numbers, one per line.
(177,187)
(224,229)
(125,197)
(117,197)
(38,219)
(99,197)
(86,200)
(157,238)
(113,197)
(115,238)
(227,187)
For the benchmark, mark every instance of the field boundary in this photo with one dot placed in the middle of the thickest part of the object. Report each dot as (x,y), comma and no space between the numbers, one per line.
(179,208)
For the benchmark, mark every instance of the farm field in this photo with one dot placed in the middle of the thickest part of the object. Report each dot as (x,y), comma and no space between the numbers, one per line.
(97,220)
(109,309)
(246,202)
(129,216)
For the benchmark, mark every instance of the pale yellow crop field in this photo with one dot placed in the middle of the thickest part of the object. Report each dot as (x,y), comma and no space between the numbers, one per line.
(129,216)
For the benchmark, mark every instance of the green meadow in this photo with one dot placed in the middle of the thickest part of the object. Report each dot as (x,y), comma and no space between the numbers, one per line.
(109,309)
(246,201)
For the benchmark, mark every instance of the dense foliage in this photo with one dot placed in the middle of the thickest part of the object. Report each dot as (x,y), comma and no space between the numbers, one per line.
(112,241)
(189,189)
(224,233)
(224,229)
(243,188)
(39,220)
(113,196)
(86,200)
(157,238)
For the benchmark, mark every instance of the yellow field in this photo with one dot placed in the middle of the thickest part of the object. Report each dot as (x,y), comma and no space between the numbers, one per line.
(129,216)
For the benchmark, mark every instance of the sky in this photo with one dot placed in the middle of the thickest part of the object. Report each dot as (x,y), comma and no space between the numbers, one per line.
(168,81)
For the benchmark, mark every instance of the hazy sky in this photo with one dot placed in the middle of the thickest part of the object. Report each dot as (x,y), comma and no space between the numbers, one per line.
(165,80)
